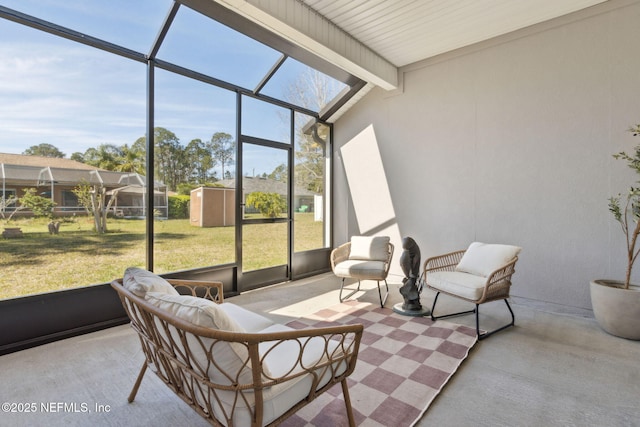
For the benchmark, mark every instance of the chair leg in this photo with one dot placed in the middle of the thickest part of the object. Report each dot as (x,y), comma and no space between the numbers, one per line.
(433,307)
(486,334)
(342,287)
(347,403)
(134,391)
(476,310)
(382,301)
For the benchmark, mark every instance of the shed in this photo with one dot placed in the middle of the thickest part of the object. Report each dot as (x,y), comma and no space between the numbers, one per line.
(212,207)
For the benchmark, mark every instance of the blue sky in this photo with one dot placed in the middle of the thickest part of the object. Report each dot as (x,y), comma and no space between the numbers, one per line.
(75,97)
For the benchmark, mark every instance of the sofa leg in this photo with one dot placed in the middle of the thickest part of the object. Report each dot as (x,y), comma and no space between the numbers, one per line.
(134,391)
(350,294)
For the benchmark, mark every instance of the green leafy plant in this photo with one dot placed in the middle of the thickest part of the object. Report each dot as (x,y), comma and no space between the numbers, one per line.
(40,206)
(626,208)
(269,204)
(179,206)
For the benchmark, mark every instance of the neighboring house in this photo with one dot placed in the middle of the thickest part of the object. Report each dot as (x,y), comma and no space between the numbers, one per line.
(55,178)
(303,199)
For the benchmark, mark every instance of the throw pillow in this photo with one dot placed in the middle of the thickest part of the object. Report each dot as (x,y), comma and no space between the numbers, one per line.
(482,259)
(369,248)
(199,311)
(140,281)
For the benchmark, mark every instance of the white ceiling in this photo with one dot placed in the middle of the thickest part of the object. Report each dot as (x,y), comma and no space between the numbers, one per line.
(371,39)
(406,31)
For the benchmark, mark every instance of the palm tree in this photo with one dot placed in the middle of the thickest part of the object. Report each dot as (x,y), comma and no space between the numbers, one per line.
(132,160)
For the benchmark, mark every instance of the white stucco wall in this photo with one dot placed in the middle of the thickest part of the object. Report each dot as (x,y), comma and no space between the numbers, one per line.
(509,141)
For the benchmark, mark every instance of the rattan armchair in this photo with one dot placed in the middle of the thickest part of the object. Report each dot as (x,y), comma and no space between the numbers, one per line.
(302,364)
(363,258)
(483,276)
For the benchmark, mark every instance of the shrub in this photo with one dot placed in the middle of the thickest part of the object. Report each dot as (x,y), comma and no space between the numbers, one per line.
(40,206)
(179,206)
(269,204)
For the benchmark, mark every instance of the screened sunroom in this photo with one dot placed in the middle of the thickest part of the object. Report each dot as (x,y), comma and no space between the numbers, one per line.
(193,74)
(447,121)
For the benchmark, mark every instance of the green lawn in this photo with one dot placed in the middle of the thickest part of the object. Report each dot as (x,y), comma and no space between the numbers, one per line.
(77,256)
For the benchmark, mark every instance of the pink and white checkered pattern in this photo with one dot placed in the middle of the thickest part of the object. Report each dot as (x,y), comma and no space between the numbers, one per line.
(403,364)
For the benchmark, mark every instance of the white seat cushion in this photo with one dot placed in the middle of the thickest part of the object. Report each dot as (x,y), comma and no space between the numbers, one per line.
(482,259)
(140,281)
(464,285)
(372,270)
(369,248)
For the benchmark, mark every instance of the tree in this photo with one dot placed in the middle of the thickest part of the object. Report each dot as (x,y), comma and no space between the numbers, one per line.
(223,148)
(280,173)
(106,156)
(78,157)
(6,202)
(169,158)
(201,161)
(312,90)
(93,199)
(170,165)
(310,160)
(132,160)
(269,204)
(44,150)
(40,206)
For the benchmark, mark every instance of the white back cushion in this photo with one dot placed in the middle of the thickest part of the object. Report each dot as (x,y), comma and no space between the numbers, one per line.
(374,248)
(482,259)
(140,281)
(199,311)
(231,358)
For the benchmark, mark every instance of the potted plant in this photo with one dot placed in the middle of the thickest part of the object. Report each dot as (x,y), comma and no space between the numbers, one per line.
(616,304)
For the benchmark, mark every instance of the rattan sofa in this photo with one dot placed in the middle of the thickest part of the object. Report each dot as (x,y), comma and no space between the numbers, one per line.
(233,366)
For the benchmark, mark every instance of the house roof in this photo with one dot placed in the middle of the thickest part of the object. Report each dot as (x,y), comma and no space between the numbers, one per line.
(38,170)
(40,161)
(265,185)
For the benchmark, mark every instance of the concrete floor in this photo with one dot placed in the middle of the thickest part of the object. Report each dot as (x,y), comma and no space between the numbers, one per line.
(549,370)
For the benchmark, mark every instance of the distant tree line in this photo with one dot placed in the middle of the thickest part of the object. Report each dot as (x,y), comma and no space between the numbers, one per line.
(175,164)
(183,167)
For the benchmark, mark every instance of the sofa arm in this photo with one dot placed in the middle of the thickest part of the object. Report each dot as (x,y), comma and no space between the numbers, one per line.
(199,288)
(328,354)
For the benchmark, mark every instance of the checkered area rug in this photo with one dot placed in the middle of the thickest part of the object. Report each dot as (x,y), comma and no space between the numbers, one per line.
(402,365)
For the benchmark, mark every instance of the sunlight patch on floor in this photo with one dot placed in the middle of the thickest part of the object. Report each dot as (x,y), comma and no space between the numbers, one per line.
(327,299)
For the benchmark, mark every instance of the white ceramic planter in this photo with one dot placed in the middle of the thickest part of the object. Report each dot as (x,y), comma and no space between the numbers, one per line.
(617,310)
